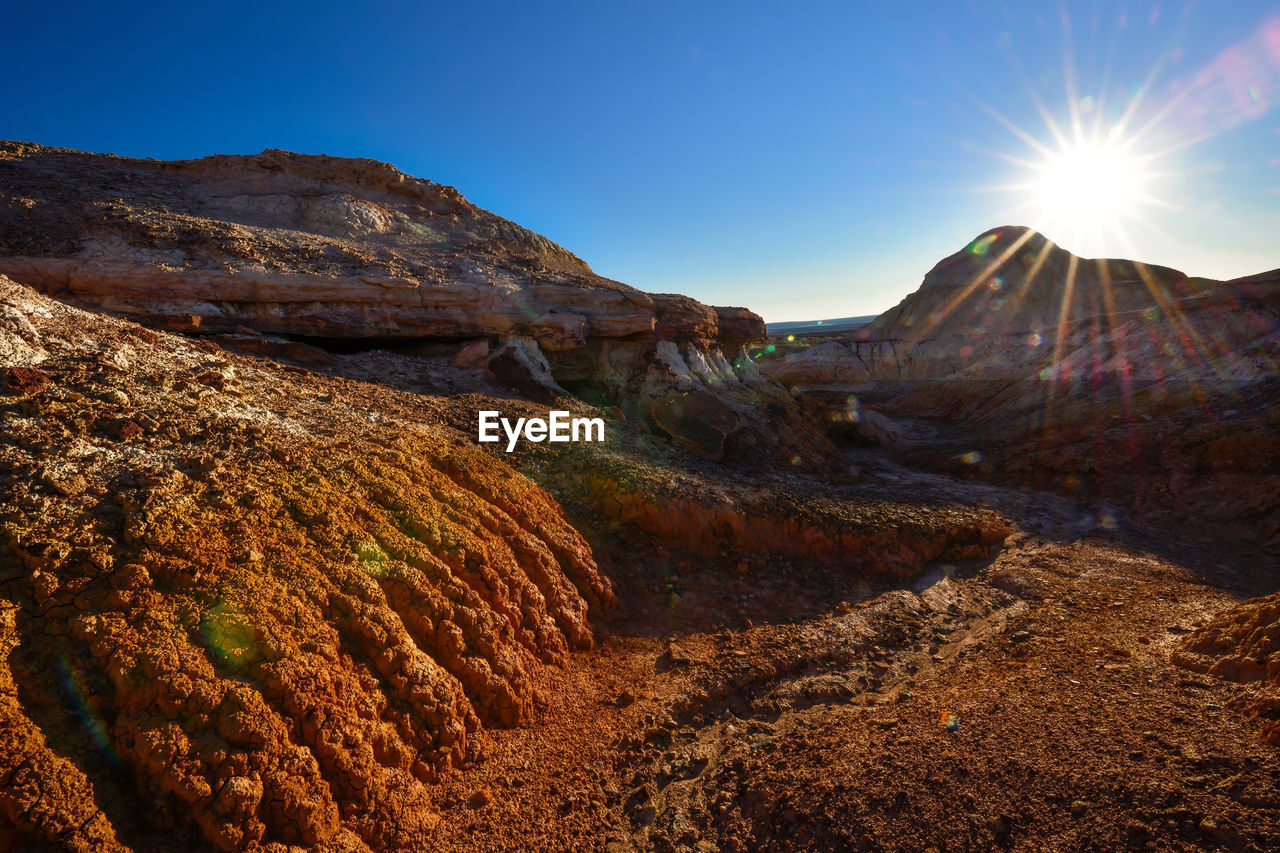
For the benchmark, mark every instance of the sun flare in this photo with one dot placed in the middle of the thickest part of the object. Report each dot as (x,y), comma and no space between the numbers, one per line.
(1094,183)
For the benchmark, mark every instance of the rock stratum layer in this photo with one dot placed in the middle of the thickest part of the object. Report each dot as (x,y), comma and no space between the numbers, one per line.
(355,254)
(313,245)
(1119,381)
(279,617)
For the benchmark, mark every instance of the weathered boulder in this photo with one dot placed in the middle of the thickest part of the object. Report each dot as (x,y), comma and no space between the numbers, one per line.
(698,420)
(880,428)
(519,364)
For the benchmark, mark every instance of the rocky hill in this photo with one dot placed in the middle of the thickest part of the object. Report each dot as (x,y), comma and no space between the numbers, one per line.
(1014,305)
(1120,381)
(353,254)
(315,246)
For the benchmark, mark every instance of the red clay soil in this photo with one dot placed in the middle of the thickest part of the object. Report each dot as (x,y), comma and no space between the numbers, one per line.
(269,633)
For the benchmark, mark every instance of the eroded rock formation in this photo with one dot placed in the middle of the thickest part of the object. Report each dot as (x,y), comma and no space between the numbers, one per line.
(279,616)
(1243,644)
(316,246)
(350,252)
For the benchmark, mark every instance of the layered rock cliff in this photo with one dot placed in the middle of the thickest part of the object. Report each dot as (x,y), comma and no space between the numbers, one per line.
(353,253)
(316,246)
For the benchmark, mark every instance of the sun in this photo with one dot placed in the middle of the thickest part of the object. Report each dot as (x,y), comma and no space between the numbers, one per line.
(1096,183)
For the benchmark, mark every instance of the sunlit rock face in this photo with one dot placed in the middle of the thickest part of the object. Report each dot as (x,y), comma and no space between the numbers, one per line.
(1112,379)
(312,245)
(349,253)
(234,605)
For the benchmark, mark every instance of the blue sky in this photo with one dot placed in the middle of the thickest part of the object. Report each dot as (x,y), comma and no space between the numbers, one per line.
(804,159)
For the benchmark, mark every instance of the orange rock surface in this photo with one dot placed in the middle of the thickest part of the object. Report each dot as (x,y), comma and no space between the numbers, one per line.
(1243,644)
(280,620)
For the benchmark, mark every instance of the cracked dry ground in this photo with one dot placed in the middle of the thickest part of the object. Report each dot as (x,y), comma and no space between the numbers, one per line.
(247,606)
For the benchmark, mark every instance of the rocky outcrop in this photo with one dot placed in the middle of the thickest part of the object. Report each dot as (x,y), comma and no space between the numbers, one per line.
(1242,644)
(1013,305)
(1016,279)
(827,363)
(240,605)
(316,246)
(346,253)
(869,537)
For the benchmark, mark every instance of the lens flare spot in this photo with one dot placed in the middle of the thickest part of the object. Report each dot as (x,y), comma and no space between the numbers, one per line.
(373,560)
(980,246)
(1107,522)
(86,707)
(973,457)
(995,283)
(229,635)
(950,721)
(1035,339)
